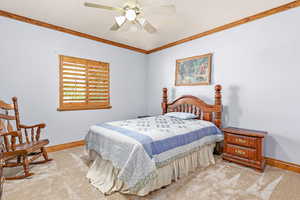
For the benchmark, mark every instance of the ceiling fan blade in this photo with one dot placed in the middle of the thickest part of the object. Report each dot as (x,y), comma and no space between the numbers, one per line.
(131,2)
(115,27)
(168,9)
(162,9)
(93,5)
(149,28)
(146,25)
(120,21)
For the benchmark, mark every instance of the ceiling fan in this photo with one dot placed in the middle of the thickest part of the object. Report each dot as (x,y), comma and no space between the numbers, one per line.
(133,13)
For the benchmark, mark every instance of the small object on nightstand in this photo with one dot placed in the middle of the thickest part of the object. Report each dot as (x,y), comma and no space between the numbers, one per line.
(143,116)
(245,147)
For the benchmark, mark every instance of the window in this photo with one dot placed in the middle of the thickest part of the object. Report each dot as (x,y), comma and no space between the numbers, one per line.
(84,84)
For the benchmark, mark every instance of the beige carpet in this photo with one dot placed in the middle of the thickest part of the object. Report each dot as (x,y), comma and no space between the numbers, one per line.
(64,179)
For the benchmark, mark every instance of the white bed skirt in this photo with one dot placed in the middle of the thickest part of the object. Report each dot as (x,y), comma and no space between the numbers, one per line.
(103,175)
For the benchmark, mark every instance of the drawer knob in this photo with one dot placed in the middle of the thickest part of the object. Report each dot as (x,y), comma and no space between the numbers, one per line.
(239,152)
(241,140)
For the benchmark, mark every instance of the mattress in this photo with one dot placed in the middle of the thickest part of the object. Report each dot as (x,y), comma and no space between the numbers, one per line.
(139,147)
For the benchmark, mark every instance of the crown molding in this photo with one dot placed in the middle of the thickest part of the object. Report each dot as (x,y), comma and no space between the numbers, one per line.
(257,16)
(66,30)
(260,15)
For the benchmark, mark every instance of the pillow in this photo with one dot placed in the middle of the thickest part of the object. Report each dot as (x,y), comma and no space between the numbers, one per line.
(181,115)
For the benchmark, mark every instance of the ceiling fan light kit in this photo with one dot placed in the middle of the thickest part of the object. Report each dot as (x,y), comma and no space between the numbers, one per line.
(131,12)
(120,20)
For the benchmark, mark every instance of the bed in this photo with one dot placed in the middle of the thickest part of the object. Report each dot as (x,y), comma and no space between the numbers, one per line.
(142,155)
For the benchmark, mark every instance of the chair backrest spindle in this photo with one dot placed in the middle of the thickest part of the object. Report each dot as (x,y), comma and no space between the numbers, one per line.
(6,124)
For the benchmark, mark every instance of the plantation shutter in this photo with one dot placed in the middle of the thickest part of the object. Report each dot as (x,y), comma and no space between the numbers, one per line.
(84,84)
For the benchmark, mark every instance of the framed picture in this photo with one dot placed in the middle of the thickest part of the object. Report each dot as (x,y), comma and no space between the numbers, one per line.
(193,71)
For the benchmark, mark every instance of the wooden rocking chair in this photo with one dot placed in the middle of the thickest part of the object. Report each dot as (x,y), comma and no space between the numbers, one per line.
(21,153)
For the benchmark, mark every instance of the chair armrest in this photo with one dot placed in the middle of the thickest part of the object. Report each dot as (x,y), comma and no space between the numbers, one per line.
(33,126)
(12,133)
(35,133)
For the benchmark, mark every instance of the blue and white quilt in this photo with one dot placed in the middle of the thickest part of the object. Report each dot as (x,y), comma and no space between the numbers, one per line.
(138,147)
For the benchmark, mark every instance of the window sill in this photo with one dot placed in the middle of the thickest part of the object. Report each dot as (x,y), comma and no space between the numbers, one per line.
(84,108)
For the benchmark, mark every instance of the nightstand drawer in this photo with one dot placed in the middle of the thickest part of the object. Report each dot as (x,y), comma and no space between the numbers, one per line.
(241,140)
(242,152)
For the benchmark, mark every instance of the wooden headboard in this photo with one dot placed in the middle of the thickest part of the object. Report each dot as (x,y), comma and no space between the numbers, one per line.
(192,104)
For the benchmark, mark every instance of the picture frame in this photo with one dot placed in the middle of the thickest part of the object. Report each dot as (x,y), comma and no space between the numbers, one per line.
(193,71)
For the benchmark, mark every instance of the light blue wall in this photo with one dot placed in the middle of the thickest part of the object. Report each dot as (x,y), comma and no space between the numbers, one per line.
(258,66)
(29,70)
(256,63)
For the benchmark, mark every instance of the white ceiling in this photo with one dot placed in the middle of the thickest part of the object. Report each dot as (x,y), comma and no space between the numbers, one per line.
(192,17)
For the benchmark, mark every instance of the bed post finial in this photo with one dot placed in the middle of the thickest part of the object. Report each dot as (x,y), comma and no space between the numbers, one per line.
(218,102)
(164,103)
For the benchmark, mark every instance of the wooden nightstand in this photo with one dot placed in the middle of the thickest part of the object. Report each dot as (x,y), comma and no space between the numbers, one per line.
(245,147)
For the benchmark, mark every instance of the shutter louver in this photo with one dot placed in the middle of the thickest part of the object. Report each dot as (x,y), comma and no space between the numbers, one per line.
(84,84)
